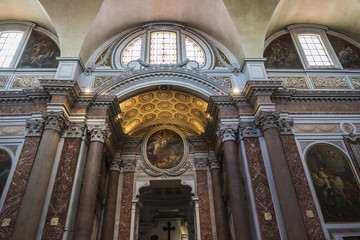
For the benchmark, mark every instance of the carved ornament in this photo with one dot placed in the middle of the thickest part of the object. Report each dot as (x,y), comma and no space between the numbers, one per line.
(291,82)
(214,163)
(266,120)
(75,130)
(249,129)
(329,82)
(227,132)
(200,163)
(55,121)
(34,127)
(285,126)
(115,165)
(99,134)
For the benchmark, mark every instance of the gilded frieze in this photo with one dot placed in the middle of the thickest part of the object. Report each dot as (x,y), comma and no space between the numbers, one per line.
(29,81)
(329,82)
(316,128)
(291,82)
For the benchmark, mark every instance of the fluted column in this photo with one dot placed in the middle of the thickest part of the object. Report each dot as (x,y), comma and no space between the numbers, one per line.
(30,211)
(220,218)
(231,163)
(86,208)
(294,226)
(110,205)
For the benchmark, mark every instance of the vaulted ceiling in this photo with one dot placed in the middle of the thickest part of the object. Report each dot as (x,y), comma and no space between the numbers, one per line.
(241,25)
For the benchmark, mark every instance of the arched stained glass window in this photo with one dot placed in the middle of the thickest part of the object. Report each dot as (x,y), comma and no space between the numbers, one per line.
(163,48)
(194,51)
(5,166)
(9,42)
(132,51)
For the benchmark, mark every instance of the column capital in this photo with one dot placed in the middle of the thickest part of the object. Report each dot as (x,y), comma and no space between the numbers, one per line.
(75,130)
(200,163)
(227,132)
(214,163)
(285,125)
(55,121)
(115,165)
(265,120)
(99,133)
(34,127)
(249,129)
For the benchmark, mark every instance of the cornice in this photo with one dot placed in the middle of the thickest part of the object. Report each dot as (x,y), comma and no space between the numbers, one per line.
(69,88)
(259,87)
(24,97)
(286,95)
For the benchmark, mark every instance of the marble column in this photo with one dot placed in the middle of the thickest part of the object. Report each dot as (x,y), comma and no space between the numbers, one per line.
(220,218)
(31,207)
(86,208)
(110,204)
(289,205)
(20,178)
(237,198)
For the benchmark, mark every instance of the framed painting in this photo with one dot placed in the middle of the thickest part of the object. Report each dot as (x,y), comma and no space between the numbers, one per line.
(165,148)
(335,183)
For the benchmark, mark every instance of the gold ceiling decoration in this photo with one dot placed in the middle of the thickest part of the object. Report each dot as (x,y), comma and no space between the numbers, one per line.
(163,107)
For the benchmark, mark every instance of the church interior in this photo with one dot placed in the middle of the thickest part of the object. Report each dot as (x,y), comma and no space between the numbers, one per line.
(157,120)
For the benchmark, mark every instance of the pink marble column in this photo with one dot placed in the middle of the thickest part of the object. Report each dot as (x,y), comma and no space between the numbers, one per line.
(86,208)
(28,219)
(125,208)
(203,194)
(110,204)
(20,178)
(289,205)
(60,198)
(237,199)
(220,217)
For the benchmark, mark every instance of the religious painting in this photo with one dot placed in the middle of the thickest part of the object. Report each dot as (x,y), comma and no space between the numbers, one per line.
(40,52)
(348,54)
(281,53)
(336,186)
(5,166)
(164,149)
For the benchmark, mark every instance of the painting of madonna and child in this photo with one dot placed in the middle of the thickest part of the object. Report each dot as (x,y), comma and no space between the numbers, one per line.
(165,149)
(337,187)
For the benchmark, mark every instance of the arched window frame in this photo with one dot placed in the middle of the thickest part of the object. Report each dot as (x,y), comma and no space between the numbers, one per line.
(145,32)
(318,30)
(21,26)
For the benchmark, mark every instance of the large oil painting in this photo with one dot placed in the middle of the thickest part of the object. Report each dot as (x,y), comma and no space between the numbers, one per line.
(335,183)
(40,52)
(281,53)
(165,149)
(5,165)
(348,54)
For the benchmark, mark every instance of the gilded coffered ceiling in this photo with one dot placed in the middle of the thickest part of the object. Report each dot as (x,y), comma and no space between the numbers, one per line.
(163,107)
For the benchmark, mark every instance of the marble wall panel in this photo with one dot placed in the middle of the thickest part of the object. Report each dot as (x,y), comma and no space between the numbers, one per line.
(12,130)
(60,197)
(204,206)
(17,187)
(303,193)
(264,206)
(353,148)
(125,209)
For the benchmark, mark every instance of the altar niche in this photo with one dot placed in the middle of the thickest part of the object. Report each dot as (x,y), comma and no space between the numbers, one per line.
(166,211)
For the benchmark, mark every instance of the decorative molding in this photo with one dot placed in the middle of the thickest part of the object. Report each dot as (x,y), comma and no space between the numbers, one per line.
(13,148)
(249,129)
(214,163)
(329,82)
(285,126)
(137,64)
(115,165)
(292,95)
(55,121)
(200,163)
(355,82)
(227,132)
(99,134)
(128,165)
(69,88)
(356,150)
(100,80)
(3,80)
(12,130)
(24,97)
(317,128)
(291,82)
(226,80)
(260,87)
(34,127)
(75,130)
(163,26)
(266,120)
(29,81)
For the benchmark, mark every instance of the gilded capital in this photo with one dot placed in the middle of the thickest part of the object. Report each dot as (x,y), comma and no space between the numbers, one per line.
(266,120)
(55,121)
(99,134)
(227,132)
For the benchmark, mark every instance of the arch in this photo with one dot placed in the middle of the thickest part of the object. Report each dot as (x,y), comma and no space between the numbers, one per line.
(335,183)
(5,167)
(193,81)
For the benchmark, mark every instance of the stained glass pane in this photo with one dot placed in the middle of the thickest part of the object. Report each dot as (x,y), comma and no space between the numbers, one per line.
(163,48)
(193,51)
(314,50)
(132,51)
(9,42)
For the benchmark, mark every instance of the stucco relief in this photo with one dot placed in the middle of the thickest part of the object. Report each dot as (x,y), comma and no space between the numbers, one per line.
(329,82)
(3,80)
(13,130)
(29,81)
(316,128)
(355,82)
(99,80)
(226,80)
(291,82)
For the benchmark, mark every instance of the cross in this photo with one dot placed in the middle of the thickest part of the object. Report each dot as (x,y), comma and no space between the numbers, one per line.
(169,229)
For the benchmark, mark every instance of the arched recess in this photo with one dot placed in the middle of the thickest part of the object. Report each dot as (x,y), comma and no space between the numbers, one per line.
(335,183)
(5,167)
